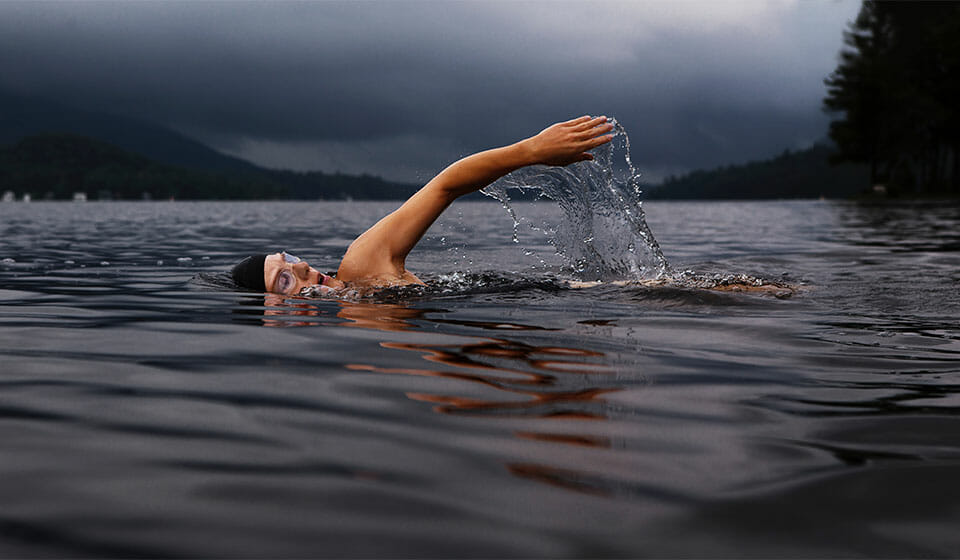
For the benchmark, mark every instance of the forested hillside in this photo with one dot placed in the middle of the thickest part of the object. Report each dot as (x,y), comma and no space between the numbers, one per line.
(801,174)
(58,165)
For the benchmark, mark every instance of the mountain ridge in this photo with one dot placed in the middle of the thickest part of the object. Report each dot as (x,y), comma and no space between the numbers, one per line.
(22,116)
(55,166)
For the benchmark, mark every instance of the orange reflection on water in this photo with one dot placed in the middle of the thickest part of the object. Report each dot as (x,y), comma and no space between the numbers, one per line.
(531,381)
(517,368)
(278,310)
(526,374)
(581,440)
(380,316)
(562,478)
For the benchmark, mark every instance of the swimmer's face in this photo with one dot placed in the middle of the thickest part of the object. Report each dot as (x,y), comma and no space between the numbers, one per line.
(287,274)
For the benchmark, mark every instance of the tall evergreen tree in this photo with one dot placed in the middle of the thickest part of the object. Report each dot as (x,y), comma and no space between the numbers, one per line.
(896,85)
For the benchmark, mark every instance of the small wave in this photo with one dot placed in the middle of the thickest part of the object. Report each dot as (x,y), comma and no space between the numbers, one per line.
(733,283)
(214,280)
(688,281)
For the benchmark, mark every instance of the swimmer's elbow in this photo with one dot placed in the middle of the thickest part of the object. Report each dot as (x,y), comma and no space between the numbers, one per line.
(446,188)
(475,172)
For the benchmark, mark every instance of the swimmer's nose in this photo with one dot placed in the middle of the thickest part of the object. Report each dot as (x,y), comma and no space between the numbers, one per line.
(302,270)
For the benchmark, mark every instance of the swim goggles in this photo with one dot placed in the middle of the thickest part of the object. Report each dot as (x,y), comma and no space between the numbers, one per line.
(285,280)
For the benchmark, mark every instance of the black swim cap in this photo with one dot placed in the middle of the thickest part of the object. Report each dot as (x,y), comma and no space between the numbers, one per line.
(248,273)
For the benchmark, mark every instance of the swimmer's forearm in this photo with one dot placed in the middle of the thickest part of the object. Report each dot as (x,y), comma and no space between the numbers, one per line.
(474,172)
(561,144)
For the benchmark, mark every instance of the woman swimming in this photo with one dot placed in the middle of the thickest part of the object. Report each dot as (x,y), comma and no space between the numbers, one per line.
(377,257)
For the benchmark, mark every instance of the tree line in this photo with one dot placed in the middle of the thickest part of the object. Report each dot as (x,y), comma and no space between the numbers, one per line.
(896,90)
(55,166)
(798,174)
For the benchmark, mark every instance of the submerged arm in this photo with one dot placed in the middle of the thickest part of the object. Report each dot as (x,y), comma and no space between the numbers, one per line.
(380,253)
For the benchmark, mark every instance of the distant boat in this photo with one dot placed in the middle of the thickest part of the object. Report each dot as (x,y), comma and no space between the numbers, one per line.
(8,196)
(79,197)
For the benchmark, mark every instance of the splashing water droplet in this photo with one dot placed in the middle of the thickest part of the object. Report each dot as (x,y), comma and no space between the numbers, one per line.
(604,233)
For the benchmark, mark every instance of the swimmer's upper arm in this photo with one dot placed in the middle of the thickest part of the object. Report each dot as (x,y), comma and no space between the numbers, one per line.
(383,249)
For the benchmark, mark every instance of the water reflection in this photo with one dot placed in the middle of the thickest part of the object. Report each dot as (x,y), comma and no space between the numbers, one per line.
(283,311)
(561,478)
(531,381)
(902,226)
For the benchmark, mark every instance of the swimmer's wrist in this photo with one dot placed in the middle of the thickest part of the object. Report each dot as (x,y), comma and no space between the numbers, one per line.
(526,152)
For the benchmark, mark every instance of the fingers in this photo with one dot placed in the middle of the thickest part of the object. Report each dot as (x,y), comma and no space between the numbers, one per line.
(578,120)
(598,141)
(587,127)
(587,123)
(596,130)
(591,144)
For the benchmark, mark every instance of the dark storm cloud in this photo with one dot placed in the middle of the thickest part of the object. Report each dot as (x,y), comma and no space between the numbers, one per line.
(396,88)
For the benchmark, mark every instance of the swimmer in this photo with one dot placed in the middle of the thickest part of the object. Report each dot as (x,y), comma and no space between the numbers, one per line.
(377,258)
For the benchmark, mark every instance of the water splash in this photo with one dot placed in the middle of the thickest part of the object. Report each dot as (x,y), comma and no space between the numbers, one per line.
(604,235)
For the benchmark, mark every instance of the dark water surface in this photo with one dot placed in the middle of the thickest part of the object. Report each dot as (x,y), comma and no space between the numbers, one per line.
(145,410)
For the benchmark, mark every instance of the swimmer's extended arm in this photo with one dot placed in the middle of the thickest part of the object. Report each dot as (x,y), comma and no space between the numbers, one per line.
(382,250)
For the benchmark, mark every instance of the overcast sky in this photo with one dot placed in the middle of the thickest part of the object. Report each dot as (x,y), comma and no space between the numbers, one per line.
(400,89)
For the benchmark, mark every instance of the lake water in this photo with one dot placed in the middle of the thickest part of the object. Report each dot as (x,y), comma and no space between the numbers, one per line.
(146,409)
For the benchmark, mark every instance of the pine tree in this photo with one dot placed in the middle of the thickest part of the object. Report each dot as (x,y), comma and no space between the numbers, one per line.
(896,85)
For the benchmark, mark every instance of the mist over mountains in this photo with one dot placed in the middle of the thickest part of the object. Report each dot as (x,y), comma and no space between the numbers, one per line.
(30,116)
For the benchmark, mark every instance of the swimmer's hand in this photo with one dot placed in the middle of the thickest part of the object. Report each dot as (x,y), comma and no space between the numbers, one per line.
(568,142)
